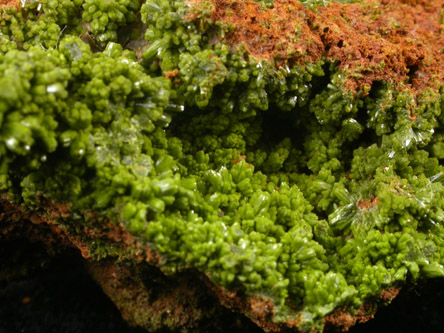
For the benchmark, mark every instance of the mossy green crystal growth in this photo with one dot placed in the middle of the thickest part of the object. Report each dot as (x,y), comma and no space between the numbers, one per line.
(274,181)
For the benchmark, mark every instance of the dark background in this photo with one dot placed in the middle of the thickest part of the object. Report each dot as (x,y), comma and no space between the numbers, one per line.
(61,297)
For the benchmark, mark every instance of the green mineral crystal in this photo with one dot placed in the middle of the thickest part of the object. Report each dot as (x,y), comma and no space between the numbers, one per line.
(302,179)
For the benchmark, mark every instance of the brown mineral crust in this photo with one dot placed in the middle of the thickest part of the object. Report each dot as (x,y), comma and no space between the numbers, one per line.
(343,320)
(148,298)
(367,204)
(281,32)
(9,3)
(44,226)
(405,37)
(389,294)
(387,40)
(155,302)
(259,309)
(172,74)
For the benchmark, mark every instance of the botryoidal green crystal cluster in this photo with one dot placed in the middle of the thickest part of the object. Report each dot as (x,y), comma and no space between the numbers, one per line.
(275,181)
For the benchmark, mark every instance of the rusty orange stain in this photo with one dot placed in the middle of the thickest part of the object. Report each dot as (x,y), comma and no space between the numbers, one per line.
(375,40)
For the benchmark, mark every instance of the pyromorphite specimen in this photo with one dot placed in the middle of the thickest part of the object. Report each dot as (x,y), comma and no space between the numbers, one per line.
(285,154)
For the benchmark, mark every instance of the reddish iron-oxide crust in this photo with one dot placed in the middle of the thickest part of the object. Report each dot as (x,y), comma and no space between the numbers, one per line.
(375,40)
(343,320)
(367,204)
(9,3)
(389,294)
